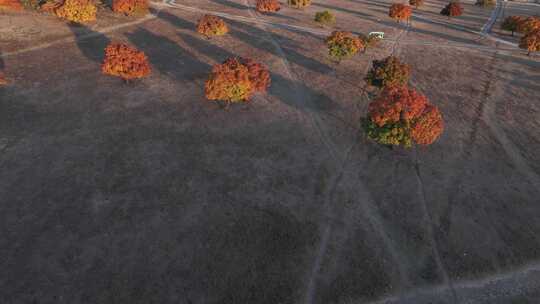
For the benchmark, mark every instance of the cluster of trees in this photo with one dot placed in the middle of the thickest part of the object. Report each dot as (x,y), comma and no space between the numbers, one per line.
(78,11)
(529,27)
(402,12)
(399,115)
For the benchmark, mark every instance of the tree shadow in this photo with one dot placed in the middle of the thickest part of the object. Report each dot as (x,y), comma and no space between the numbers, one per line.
(176,21)
(251,35)
(167,56)
(231,4)
(91,43)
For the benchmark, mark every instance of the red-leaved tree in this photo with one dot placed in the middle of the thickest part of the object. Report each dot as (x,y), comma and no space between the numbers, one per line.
(400,12)
(125,61)
(531,42)
(268,6)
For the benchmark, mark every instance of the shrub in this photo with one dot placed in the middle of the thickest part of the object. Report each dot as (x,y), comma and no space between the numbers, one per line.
(399,116)
(77,11)
(486,3)
(210,25)
(400,12)
(125,62)
(14,5)
(416,3)
(388,72)
(343,45)
(268,6)
(130,7)
(531,42)
(299,3)
(527,25)
(453,9)
(511,23)
(30,4)
(325,18)
(236,79)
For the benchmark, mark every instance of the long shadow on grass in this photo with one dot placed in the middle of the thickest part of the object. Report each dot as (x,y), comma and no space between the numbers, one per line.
(91,43)
(168,57)
(292,93)
(176,21)
(252,36)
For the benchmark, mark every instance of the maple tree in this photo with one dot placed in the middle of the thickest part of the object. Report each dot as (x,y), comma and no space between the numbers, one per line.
(299,3)
(210,25)
(236,79)
(78,11)
(388,72)
(401,116)
(400,12)
(130,7)
(511,23)
(125,61)
(453,9)
(343,45)
(268,6)
(416,3)
(531,42)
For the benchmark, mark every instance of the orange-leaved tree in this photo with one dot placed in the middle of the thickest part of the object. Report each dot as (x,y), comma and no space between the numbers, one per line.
(511,23)
(401,116)
(77,11)
(14,5)
(531,42)
(268,6)
(130,7)
(342,45)
(210,25)
(527,25)
(400,12)
(236,79)
(416,3)
(389,71)
(299,3)
(125,61)
(453,9)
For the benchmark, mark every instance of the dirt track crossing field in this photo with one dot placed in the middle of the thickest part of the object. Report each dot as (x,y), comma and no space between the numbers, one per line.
(148,193)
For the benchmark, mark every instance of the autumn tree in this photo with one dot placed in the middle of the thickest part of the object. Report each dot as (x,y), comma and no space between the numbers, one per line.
(400,12)
(299,3)
(342,45)
(453,9)
(527,25)
(325,18)
(401,116)
(236,79)
(3,80)
(369,41)
(511,23)
(77,11)
(416,3)
(268,6)
(531,42)
(388,72)
(130,7)
(125,61)
(210,25)
(14,5)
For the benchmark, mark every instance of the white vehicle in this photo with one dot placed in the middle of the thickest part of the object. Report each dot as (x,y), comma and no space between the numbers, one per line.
(379,35)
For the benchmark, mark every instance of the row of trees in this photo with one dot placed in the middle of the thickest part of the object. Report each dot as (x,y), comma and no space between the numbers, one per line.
(402,12)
